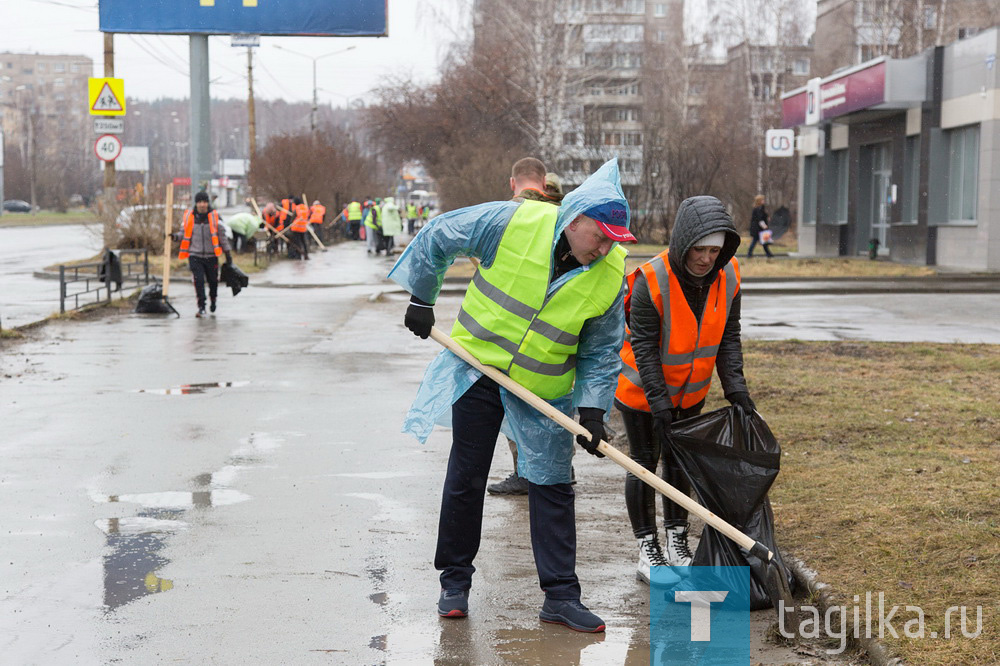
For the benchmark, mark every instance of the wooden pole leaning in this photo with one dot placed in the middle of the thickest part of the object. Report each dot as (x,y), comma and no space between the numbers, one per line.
(279,234)
(649,478)
(310,229)
(168,228)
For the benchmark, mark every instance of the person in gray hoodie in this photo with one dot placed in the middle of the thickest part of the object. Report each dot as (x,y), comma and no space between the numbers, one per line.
(683,318)
(203,242)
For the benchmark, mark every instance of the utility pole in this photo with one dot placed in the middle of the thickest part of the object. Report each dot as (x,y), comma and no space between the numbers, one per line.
(250,107)
(110,184)
(312,115)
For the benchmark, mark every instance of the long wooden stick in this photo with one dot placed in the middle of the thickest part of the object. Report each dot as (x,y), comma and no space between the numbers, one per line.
(168,228)
(310,229)
(279,234)
(611,452)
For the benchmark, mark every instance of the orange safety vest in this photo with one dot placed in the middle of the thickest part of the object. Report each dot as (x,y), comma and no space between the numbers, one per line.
(301,221)
(272,219)
(316,214)
(213,225)
(687,349)
(282,215)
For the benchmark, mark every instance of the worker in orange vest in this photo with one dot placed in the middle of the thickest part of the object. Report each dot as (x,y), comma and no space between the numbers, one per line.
(317,213)
(300,228)
(682,323)
(202,244)
(272,216)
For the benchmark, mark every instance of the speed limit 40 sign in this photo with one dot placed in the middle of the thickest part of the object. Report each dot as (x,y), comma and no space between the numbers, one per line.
(108,147)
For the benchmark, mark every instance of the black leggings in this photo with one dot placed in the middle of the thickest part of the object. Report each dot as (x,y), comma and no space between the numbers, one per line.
(644,449)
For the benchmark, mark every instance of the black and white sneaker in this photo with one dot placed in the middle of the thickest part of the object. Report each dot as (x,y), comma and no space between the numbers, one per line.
(678,553)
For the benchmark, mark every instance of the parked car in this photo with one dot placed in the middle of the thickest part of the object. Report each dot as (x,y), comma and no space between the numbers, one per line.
(16,206)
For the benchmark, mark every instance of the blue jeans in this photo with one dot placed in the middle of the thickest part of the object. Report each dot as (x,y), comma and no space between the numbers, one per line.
(476,419)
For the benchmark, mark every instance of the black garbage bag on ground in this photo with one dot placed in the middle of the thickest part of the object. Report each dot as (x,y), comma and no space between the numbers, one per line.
(110,269)
(151,300)
(731,459)
(233,277)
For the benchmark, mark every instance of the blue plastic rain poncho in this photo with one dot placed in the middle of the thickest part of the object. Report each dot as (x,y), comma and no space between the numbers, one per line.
(545,450)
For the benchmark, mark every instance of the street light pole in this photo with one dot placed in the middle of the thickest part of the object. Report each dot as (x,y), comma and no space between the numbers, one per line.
(315,101)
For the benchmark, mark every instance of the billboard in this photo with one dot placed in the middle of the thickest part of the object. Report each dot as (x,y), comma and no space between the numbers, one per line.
(344,18)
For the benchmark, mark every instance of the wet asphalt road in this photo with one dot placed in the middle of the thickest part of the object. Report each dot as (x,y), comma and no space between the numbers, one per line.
(24,250)
(236,490)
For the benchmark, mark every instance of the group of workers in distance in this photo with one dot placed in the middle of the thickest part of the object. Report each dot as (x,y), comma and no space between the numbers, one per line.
(552,306)
(379,221)
(302,221)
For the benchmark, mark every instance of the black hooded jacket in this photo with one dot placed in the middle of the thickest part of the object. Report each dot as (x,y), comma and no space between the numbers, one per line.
(696,218)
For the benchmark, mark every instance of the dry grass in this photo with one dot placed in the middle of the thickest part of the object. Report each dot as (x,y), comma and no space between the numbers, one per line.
(46,218)
(889,477)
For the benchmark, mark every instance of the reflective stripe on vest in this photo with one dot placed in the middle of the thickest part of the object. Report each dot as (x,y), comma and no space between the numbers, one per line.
(301,221)
(509,321)
(213,226)
(687,350)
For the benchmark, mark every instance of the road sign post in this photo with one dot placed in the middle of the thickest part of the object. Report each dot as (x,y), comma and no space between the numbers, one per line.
(108,147)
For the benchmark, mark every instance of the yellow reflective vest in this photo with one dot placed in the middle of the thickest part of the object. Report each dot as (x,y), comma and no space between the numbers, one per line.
(509,320)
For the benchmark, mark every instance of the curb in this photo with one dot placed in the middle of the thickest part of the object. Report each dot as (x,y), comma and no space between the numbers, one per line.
(878,654)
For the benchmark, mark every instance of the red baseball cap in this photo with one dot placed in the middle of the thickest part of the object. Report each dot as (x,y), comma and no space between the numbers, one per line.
(612,218)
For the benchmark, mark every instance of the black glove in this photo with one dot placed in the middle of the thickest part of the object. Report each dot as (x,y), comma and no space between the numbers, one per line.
(592,419)
(419,317)
(229,257)
(743,400)
(663,416)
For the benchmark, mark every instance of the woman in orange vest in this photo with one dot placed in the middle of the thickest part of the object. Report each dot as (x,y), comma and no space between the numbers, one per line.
(317,212)
(300,227)
(683,322)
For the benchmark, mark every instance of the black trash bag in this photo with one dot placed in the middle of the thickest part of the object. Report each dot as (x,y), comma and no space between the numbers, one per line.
(151,300)
(110,269)
(731,459)
(233,277)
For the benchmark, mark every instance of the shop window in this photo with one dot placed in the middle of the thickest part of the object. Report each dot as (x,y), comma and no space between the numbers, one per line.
(840,166)
(963,173)
(809,185)
(911,179)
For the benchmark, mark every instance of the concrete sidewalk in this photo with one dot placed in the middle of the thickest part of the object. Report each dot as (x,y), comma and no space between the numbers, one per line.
(235,489)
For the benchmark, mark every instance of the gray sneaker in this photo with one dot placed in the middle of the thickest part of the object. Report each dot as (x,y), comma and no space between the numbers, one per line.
(512,485)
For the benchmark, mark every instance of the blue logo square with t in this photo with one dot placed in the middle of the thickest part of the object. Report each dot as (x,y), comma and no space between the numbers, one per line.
(700,615)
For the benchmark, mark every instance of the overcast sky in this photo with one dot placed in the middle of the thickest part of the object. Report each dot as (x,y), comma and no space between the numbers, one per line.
(157,66)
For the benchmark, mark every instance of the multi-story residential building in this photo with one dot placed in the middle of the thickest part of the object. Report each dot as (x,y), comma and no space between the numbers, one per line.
(53,88)
(606,51)
(850,32)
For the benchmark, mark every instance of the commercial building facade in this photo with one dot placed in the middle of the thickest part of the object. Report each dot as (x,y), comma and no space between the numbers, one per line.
(903,154)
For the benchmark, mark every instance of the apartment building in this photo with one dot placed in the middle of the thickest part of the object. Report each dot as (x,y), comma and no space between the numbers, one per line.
(51,88)
(850,32)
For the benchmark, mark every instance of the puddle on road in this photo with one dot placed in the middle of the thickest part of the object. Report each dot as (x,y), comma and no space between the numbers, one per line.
(134,542)
(192,389)
(552,644)
(131,565)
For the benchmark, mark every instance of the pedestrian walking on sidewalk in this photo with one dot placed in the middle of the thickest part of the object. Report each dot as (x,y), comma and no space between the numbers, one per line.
(683,313)
(758,223)
(547,309)
(202,245)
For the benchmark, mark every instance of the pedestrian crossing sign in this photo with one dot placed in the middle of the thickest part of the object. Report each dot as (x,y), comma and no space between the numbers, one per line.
(107,97)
